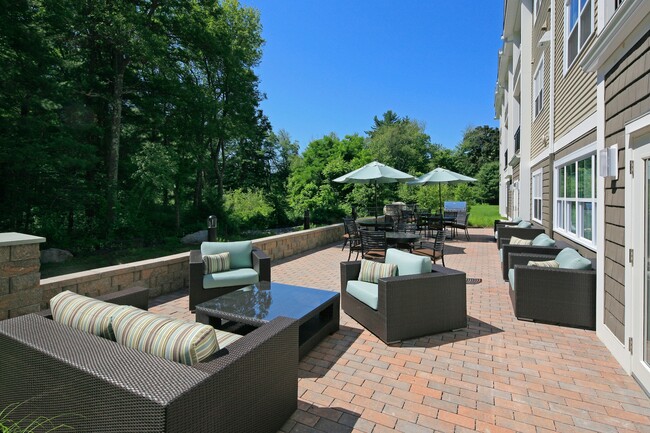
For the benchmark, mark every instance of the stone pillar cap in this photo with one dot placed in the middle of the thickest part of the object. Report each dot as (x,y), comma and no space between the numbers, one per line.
(14,238)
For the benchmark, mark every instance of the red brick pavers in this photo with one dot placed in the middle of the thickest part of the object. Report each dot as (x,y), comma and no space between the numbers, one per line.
(498,375)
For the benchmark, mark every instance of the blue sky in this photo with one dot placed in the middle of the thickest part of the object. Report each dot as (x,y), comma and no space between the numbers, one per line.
(331,65)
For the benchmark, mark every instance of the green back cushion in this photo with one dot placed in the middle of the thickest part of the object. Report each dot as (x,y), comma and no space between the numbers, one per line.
(172,339)
(240,252)
(516,220)
(371,271)
(83,313)
(213,263)
(408,264)
(569,258)
(542,240)
(524,224)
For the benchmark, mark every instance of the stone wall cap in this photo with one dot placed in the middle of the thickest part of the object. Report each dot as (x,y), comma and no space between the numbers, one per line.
(14,238)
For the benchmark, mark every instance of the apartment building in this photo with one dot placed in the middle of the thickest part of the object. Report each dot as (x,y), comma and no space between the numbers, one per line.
(573,101)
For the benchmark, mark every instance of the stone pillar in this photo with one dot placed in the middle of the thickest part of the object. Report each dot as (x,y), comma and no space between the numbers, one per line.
(20,277)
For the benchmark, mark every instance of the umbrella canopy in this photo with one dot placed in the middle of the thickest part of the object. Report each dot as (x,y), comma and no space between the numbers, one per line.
(375,173)
(441,175)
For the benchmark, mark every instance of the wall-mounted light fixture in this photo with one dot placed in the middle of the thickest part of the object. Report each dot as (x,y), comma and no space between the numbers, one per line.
(608,162)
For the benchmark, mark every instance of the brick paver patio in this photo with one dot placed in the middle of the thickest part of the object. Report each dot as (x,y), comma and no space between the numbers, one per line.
(498,375)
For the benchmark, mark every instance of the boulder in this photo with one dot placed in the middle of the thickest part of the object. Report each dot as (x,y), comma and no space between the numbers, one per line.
(55,255)
(195,238)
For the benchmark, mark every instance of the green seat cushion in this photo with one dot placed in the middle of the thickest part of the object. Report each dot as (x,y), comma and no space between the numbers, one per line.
(240,252)
(172,339)
(364,292)
(511,278)
(233,277)
(524,224)
(543,240)
(83,313)
(407,263)
(569,258)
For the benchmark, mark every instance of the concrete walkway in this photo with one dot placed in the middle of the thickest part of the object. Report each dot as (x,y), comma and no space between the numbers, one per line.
(498,375)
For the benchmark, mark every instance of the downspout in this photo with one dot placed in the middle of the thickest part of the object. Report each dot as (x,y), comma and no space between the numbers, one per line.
(551,123)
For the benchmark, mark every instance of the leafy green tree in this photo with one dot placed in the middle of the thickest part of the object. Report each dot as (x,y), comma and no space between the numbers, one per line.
(487,188)
(479,146)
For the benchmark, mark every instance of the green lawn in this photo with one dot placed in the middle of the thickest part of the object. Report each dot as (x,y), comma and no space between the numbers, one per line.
(483,215)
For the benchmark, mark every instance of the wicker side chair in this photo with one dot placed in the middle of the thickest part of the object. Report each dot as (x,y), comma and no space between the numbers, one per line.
(505,233)
(435,250)
(373,245)
(552,295)
(409,306)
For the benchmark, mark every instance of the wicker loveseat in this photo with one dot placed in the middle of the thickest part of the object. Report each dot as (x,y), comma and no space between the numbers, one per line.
(408,306)
(541,244)
(553,295)
(96,385)
(248,265)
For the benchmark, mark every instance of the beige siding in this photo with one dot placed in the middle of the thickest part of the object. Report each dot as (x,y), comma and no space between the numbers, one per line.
(575,92)
(541,123)
(627,96)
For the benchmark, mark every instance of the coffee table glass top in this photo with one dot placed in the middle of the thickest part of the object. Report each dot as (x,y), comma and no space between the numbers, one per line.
(265,301)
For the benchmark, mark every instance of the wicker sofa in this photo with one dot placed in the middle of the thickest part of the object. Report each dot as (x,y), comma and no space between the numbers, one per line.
(552,295)
(244,258)
(97,385)
(409,306)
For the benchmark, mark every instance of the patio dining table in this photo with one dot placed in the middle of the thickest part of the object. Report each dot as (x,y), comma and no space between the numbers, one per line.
(379,224)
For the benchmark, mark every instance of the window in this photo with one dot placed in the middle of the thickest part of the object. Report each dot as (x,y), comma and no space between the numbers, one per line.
(537,196)
(537,6)
(538,88)
(575,201)
(578,27)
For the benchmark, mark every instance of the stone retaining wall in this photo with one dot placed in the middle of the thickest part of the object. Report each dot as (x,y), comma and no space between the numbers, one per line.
(161,275)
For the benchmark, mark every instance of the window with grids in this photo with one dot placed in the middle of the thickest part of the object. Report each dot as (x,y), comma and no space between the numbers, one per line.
(575,199)
(537,196)
(538,88)
(579,25)
(537,4)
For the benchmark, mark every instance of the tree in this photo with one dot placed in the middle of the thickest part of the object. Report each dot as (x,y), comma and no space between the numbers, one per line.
(487,185)
(479,146)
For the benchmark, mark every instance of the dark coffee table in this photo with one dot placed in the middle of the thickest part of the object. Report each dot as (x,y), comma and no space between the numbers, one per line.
(317,311)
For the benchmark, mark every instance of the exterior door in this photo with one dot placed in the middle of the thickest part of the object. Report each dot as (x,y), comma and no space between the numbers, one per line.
(640,208)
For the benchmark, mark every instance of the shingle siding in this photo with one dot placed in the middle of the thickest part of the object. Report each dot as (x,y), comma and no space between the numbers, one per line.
(627,96)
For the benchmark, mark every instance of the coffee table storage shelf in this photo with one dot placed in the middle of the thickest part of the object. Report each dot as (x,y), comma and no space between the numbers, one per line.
(317,311)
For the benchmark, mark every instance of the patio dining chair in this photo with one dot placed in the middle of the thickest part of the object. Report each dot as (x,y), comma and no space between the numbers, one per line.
(461,223)
(373,245)
(435,250)
(353,237)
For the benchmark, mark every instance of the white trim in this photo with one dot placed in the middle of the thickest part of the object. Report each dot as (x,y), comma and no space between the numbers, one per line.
(538,88)
(604,333)
(618,349)
(541,157)
(578,154)
(581,129)
(606,51)
(578,29)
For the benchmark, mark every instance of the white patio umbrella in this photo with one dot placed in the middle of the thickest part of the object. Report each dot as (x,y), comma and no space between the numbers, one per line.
(441,175)
(375,173)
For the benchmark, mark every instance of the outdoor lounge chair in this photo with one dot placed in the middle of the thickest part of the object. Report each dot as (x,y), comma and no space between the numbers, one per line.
(410,305)
(507,232)
(541,244)
(248,265)
(554,295)
(93,384)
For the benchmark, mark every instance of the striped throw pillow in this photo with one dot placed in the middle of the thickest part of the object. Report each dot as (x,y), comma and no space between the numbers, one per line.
(172,339)
(545,264)
(83,313)
(213,263)
(371,271)
(516,241)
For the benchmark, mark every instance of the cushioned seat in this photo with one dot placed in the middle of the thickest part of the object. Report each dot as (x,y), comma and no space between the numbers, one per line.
(364,292)
(233,277)
(511,278)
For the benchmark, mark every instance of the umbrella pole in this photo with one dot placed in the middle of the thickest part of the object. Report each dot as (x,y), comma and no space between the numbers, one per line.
(376,211)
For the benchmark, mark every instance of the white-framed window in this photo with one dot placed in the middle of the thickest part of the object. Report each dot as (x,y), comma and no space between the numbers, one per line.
(538,88)
(579,24)
(537,196)
(575,199)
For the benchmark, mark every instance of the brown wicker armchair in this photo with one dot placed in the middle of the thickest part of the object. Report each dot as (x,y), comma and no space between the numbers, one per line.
(261,264)
(506,232)
(96,385)
(409,306)
(552,295)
